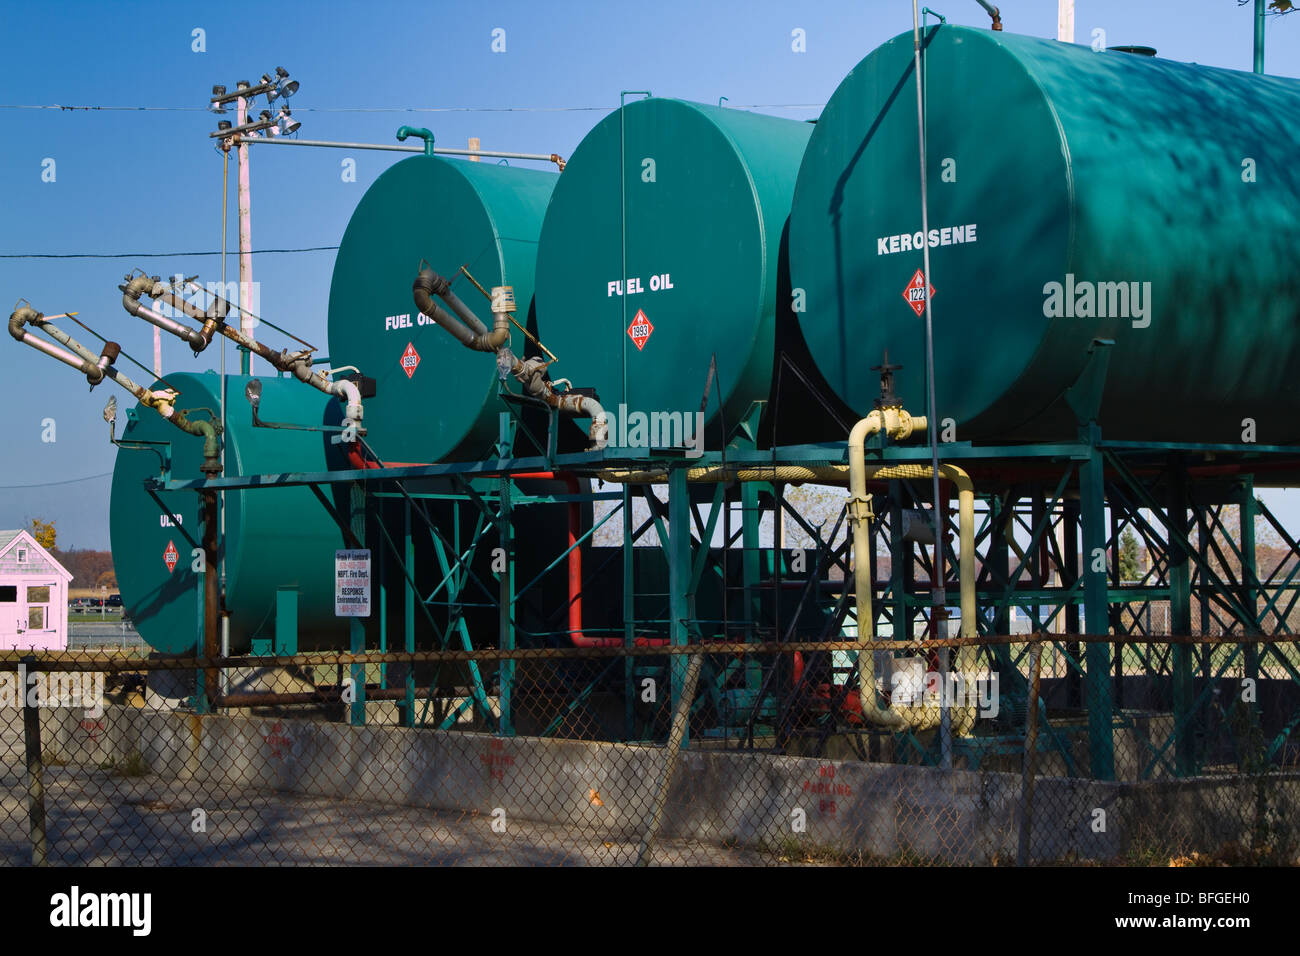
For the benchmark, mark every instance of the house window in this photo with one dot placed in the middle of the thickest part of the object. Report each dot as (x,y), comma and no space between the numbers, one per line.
(8,594)
(22,555)
(38,595)
(36,618)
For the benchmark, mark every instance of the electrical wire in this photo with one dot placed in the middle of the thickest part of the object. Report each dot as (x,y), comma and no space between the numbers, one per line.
(151,255)
(54,484)
(397,109)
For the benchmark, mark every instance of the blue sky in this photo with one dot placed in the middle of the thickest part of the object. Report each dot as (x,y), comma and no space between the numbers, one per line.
(150,181)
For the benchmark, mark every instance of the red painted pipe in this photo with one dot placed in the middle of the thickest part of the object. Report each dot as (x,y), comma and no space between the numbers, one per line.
(358,460)
(576,635)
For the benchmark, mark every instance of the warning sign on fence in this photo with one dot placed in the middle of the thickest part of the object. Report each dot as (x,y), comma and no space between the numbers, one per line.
(352,583)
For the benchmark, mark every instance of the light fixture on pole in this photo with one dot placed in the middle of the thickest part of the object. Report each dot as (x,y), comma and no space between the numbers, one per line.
(284,87)
(285,123)
(272,86)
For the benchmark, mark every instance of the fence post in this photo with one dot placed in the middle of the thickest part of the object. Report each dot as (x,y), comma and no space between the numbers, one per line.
(676,735)
(35,768)
(1031,748)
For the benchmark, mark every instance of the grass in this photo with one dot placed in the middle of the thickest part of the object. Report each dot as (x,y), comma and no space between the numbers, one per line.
(90,616)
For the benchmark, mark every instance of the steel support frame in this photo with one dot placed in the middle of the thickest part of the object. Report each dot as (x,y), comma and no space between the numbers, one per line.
(1187,575)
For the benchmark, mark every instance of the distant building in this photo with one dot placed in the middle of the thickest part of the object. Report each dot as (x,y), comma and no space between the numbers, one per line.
(33,596)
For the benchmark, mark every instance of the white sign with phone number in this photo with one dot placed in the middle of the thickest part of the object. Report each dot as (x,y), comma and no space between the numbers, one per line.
(352,583)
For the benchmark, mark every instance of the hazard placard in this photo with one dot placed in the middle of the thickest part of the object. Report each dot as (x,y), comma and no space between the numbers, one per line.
(410,359)
(171,556)
(640,329)
(916,293)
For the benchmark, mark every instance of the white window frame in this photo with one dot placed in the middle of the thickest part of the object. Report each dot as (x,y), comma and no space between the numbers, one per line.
(22,555)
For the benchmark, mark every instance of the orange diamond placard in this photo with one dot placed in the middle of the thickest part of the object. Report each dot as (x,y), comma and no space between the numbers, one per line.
(171,556)
(915,293)
(640,330)
(410,359)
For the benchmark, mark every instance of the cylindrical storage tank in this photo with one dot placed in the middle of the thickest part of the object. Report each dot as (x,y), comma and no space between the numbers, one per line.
(1073,196)
(688,203)
(435,399)
(275,538)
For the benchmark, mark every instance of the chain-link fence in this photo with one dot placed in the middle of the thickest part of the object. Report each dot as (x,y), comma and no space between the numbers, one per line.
(948,753)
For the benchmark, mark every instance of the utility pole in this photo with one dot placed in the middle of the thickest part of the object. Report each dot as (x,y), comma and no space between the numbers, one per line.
(1065,21)
(274,86)
(245,235)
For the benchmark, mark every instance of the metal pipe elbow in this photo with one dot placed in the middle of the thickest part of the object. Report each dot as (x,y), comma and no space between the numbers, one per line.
(428,284)
(20,317)
(351,395)
(492,341)
(140,285)
(299,369)
(404,131)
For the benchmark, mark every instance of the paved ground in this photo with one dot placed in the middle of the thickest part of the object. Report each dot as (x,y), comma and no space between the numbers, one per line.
(97,818)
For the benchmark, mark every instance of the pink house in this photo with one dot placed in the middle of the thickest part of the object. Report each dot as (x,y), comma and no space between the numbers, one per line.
(33,596)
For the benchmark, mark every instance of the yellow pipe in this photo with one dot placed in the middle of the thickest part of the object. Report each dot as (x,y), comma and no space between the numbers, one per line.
(899,425)
(922,718)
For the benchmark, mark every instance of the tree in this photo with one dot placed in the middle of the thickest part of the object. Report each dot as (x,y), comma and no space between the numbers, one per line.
(44,532)
(1130,565)
(1278,7)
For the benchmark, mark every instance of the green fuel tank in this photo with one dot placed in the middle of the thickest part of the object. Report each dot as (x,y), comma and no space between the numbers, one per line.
(661,250)
(435,399)
(1108,233)
(275,538)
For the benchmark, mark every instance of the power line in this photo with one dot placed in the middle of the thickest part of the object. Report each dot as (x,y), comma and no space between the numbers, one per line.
(392,109)
(151,255)
(55,484)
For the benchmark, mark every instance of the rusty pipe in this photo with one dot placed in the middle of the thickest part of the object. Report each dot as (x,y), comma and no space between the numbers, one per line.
(532,375)
(467,330)
(994,13)
(435,284)
(143,285)
(98,367)
(26,315)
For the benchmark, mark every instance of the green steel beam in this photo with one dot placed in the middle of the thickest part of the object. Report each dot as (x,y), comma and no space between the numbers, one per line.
(407,717)
(1092,508)
(202,693)
(678,546)
(1250,508)
(630,689)
(357,630)
(505,622)
(1180,617)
